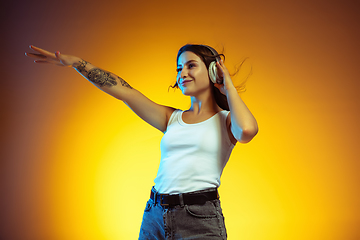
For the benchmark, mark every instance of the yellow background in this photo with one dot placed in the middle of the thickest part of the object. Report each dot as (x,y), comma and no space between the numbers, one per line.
(77,164)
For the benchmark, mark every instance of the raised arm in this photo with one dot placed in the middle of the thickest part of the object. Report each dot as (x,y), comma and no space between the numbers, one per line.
(242,124)
(154,114)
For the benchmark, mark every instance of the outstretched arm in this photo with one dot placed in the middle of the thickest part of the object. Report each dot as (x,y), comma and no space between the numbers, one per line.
(154,114)
(104,80)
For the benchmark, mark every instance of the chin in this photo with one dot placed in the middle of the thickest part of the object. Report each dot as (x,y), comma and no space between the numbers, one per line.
(186,92)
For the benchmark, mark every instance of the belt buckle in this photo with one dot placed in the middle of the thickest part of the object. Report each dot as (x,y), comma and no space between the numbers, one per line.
(161,200)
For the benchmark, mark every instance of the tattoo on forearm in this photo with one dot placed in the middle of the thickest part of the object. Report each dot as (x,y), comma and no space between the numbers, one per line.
(82,66)
(101,78)
(124,83)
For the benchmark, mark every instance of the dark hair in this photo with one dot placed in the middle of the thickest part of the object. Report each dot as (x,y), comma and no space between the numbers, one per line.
(207,56)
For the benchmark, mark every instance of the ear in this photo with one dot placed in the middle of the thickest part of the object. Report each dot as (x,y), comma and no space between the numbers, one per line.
(213,72)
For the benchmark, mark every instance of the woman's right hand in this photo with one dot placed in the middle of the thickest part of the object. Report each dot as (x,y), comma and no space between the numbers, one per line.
(43,56)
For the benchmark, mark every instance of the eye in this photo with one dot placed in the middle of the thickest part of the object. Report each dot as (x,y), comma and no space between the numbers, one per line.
(191,65)
(178,69)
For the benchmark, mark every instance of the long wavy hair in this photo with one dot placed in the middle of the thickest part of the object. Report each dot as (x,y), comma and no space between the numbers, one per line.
(207,56)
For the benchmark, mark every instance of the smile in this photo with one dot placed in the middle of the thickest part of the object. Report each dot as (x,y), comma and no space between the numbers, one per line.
(185,82)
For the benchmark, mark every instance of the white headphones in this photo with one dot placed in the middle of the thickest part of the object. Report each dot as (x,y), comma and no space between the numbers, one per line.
(212,67)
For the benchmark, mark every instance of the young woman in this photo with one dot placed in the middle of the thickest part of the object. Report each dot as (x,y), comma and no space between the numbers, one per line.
(197,143)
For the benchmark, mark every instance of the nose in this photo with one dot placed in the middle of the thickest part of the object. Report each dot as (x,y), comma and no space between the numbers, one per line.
(183,73)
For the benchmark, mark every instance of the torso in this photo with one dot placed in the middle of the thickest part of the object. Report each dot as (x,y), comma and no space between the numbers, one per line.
(190,118)
(193,153)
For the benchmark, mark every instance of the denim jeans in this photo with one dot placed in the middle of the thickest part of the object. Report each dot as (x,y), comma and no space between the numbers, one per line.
(183,222)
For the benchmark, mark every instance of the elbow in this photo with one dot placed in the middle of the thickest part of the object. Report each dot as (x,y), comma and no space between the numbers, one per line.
(244,134)
(248,134)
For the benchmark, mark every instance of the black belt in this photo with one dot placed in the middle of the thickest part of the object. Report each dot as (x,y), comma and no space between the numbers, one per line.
(171,200)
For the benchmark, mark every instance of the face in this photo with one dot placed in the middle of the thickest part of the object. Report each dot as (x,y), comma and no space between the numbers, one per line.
(193,76)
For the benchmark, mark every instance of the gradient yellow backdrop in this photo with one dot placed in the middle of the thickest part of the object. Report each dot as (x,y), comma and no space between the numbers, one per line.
(77,164)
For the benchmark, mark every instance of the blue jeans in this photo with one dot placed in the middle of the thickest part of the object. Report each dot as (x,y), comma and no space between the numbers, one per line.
(183,222)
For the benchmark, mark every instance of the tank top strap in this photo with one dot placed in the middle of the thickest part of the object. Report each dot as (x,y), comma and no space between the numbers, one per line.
(174,116)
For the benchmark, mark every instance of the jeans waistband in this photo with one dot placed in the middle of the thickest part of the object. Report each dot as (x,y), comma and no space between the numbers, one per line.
(190,198)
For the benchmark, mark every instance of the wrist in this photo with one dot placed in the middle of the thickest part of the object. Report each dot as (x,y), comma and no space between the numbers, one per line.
(231,90)
(229,86)
(76,62)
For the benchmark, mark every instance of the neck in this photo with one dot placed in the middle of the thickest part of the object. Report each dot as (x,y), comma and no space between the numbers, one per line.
(204,103)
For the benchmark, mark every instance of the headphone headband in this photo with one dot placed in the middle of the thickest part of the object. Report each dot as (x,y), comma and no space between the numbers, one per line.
(213,51)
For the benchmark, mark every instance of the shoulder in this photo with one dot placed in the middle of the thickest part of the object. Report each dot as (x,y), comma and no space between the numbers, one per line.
(175,112)
(173,115)
(224,113)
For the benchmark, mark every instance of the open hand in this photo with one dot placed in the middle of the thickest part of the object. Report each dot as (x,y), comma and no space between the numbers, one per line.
(43,56)
(225,77)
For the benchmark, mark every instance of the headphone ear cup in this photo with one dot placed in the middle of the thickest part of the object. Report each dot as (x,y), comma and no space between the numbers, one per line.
(213,72)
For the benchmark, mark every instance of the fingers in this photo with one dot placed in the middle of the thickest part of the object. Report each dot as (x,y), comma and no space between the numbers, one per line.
(41,51)
(35,55)
(40,61)
(43,56)
(39,58)
(57,55)
(220,64)
(48,62)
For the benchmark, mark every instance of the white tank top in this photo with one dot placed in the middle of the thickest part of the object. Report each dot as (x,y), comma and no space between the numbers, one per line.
(193,156)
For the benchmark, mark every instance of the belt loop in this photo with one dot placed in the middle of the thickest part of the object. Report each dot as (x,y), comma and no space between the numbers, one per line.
(155,196)
(181,199)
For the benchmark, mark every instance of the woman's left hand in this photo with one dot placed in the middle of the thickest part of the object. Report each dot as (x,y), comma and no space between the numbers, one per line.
(225,77)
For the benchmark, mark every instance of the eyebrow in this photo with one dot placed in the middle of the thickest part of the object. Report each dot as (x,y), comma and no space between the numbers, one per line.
(188,62)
